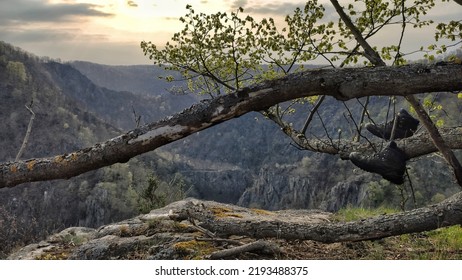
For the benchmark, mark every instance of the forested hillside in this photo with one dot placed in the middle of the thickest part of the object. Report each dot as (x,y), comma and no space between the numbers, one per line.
(62,124)
(246,161)
(249,161)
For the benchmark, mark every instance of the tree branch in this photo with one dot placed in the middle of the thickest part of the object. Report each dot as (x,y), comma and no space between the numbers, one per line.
(312,112)
(418,145)
(259,245)
(29,129)
(280,225)
(375,59)
(342,84)
(437,138)
(369,52)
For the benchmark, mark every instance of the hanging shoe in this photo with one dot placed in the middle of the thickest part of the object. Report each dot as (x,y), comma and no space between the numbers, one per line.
(405,127)
(390,163)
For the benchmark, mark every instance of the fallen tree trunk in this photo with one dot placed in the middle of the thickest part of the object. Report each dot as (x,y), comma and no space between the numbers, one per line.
(237,221)
(342,84)
(134,238)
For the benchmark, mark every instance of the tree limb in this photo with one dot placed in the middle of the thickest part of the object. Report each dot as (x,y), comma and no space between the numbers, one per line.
(418,145)
(29,129)
(375,59)
(259,245)
(312,112)
(369,52)
(438,140)
(278,225)
(343,84)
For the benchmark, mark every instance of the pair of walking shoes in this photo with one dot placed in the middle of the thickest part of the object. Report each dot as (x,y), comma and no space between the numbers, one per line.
(390,163)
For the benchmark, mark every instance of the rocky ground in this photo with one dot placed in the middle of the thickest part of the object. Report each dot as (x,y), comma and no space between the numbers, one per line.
(168,233)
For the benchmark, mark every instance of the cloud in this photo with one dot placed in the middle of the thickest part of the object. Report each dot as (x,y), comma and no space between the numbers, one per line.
(131,3)
(279,9)
(239,3)
(267,8)
(44,35)
(171,18)
(26,11)
(29,23)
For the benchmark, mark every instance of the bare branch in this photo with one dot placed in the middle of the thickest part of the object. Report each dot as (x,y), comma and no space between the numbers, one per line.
(369,52)
(312,112)
(437,138)
(29,129)
(375,59)
(259,245)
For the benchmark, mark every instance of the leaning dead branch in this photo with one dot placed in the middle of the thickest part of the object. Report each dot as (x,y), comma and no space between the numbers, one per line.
(259,245)
(29,129)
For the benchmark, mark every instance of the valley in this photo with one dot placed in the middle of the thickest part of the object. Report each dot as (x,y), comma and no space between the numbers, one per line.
(246,161)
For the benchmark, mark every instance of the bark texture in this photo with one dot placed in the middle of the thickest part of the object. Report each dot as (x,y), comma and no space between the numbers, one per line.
(438,139)
(342,84)
(182,229)
(376,60)
(418,145)
(281,225)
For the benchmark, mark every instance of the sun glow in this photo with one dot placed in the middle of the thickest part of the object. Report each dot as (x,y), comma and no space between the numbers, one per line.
(110,31)
(142,16)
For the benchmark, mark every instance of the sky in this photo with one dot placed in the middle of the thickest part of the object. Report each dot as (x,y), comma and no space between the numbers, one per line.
(110,31)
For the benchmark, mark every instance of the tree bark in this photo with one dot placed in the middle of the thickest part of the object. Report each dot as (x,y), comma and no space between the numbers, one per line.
(369,52)
(438,139)
(376,60)
(259,245)
(418,145)
(279,224)
(343,84)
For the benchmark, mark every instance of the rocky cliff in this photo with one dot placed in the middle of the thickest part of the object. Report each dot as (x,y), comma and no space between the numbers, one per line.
(291,187)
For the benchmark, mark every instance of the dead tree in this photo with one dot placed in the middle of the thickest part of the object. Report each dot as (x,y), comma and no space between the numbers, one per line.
(317,226)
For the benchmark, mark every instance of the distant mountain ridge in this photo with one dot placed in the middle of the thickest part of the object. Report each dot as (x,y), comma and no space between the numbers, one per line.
(139,79)
(62,100)
(246,161)
(258,149)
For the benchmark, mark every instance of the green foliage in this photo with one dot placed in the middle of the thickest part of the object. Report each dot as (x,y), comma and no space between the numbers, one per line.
(437,108)
(226,50)
(149,197)
(16,71)
(447,238)
(443,243)
(157,194)
(437,198)
(440,244)
(451,31)
(223,52)
(214,51)
(384,194)
(349,214)
(381,193)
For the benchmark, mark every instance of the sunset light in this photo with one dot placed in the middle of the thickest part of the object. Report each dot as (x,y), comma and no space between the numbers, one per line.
(110,31)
